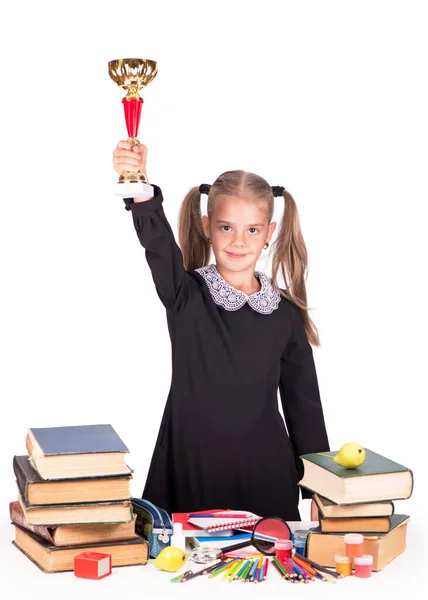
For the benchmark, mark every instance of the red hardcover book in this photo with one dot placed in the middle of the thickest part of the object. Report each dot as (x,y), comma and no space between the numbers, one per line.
(17,516)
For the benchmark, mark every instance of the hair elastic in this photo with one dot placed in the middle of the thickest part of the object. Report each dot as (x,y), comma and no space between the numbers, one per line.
(204,188)
(278,190)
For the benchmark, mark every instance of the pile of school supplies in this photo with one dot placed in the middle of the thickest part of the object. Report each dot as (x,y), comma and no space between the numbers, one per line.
(74,495)
(255,569)
(357,501)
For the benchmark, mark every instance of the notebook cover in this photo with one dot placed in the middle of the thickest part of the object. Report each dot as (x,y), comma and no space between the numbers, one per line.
(79,439)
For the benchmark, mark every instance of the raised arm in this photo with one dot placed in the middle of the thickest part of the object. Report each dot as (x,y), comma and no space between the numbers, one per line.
(154,232)
(300,395)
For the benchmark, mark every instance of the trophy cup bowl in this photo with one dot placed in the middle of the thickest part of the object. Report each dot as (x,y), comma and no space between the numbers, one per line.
(132,74)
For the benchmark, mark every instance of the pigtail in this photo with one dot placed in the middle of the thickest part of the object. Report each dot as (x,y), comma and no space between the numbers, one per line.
(290,260)
(194,245)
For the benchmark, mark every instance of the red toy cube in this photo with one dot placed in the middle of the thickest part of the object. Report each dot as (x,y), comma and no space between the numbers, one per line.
(92,565)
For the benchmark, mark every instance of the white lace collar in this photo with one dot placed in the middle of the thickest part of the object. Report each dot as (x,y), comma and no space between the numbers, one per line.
(264,301)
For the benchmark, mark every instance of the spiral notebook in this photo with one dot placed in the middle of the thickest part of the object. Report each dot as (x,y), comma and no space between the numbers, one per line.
(219,521)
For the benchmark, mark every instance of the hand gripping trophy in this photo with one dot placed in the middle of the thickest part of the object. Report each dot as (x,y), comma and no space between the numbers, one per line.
(132,74)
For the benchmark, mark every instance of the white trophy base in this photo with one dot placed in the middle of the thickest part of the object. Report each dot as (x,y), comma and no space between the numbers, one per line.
(135,190)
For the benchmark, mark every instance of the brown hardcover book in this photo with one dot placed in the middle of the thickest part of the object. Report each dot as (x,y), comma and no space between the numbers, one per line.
(69,535)
(356,525)
(377,479)
(76,451)
(330,510)
(77,514)
(384,547)
(38,491)
(53,559)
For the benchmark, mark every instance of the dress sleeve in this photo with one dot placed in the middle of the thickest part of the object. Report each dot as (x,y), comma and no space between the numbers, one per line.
(163,255)
(300,396)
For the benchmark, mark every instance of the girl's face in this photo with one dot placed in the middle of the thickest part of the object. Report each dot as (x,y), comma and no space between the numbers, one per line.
(238,229)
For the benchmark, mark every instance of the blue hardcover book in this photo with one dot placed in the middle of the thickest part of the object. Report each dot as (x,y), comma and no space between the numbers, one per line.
(76,451)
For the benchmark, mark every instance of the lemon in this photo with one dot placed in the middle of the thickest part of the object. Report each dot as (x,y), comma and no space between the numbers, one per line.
(350,456)
(170,559)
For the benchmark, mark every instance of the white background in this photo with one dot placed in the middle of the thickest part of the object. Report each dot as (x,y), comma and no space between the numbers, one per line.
(328,99)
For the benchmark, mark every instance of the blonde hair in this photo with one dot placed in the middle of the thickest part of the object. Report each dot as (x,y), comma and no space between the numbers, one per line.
(289,258)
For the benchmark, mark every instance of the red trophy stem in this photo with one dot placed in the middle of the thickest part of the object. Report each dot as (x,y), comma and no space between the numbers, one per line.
(132,109)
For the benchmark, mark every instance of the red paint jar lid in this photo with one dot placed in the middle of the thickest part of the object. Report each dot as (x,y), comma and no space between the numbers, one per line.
(365,559)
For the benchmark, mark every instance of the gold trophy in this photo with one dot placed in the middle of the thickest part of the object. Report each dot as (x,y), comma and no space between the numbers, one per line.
(132,74)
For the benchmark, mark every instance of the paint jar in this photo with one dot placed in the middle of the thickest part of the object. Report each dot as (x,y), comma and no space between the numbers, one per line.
(354,544)
(363,565)
(343,564)
(283,549)
(300,536)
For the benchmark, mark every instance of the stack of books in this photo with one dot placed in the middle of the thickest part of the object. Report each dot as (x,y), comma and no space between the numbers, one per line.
(74,496)
(357,501)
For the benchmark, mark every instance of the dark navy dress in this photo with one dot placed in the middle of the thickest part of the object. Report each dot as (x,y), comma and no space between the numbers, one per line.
(222,442)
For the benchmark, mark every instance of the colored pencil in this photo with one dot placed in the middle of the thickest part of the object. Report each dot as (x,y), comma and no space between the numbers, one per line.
(317,574)
(266,568)
(293,566)
(293,572)
(233,569)
(230,566)
(261,574)
(288,569)
(244,575)
(234,574)
(329,579)
(279,570)
(203,571)
(225,563)
(319,567)
(190,575)
(253,569)
(257,572)
(180,577)
(303,564)
(248,570)
(310,570)
(222,569)
(299,570)
(218,565)
(282,568)
(242,569)
(307,576)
